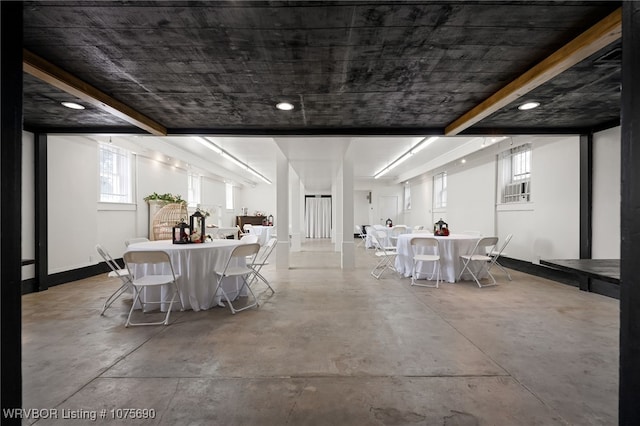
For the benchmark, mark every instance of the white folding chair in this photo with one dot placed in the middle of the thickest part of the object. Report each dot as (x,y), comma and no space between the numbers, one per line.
(387,258)
(383,240)
(135,240)
(153,270)
(116,271)
(482,261)
(420,245)
(249,239)
(261,259)
(236,266)
(396,231)
(496,255)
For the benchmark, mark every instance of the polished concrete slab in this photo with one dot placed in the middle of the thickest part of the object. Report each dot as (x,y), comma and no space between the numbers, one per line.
(332,347)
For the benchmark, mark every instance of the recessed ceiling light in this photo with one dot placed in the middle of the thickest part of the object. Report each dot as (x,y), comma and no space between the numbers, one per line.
(72,105)
(284,106)
(529,105)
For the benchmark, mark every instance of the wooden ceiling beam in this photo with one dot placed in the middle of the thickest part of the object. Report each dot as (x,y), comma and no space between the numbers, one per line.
(586,44)
(49,73)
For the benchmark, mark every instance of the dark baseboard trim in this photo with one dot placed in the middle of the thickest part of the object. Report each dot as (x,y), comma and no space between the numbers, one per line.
(31,286)
(568,278)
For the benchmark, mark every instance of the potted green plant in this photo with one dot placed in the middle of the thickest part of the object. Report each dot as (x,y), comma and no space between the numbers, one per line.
(166,198)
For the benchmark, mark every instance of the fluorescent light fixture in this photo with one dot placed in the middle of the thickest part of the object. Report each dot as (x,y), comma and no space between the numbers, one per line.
(207,143)
(414,149)
(72,105)
(529,105)
(215,148)
(234,160)
(423,144)
(259,175)
(284,106)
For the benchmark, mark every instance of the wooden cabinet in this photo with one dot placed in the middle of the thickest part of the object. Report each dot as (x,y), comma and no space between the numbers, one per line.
(251,220)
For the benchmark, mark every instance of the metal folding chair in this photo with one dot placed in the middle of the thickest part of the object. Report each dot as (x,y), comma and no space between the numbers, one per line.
(153,262)
(479,257)
(420,245)
(387,258)
(236,266)
(499,253)
(260,260)
(116,271)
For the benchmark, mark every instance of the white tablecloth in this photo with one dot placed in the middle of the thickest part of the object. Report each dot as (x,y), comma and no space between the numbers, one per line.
(450,247)
(263,233)
(195,263)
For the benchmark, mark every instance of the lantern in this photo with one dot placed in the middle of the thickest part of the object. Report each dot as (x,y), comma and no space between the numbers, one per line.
(180,233)
(441,228)
(198,230)
(389,223)
(270,221)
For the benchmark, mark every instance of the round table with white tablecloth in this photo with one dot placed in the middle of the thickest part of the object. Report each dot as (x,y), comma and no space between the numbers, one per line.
(263,232)
(195,263)
(451,247)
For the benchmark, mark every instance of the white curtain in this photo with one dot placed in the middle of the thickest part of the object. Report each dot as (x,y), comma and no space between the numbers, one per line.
(318,217)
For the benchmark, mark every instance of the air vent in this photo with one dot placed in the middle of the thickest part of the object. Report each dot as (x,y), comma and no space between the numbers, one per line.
(612,58)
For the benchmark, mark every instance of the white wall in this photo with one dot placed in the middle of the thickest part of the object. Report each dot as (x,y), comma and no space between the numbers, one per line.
(606,195)
(77,222)
(261,198)
(154,176)
(471,196)
(360,207)
(384,189)
(555,192)
(421,204)
(548,227)
(213,199)
(72,174)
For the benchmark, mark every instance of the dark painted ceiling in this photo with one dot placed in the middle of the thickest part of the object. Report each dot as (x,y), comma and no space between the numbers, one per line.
(348,67)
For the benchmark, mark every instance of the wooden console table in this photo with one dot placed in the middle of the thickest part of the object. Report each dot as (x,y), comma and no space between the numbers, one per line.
(251,220)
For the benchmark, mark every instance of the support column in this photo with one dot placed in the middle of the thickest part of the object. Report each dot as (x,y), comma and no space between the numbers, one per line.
(295,212)
(586,195)
(337,214)
(11,205)
(629,385)
(282,209)
(42,215)
(348,244)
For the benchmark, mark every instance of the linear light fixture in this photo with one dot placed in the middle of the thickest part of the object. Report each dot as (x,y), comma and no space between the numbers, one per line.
(215,148)
(413,150)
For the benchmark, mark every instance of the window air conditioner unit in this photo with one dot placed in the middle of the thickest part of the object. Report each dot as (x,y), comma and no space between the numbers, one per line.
(517,191)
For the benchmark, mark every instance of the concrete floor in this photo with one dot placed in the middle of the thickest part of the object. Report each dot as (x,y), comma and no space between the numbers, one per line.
(332,347)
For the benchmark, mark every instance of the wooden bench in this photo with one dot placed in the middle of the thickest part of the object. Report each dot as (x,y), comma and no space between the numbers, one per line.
(596,275)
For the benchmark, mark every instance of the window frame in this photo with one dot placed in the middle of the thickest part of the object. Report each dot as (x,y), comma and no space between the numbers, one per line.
(440,191)
(123,169)
(194,189)
(515,183)
(229,199)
